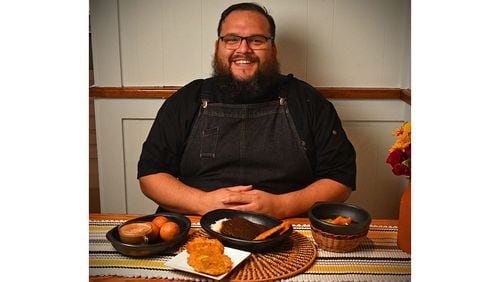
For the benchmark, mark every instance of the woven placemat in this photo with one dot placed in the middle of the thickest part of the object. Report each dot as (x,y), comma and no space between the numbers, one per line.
(293,256)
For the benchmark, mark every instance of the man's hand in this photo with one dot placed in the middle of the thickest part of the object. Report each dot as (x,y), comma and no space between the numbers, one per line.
(290,204)
(255,201)
(216,199)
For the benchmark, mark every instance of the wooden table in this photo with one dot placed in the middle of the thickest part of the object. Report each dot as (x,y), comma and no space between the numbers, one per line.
(195,219)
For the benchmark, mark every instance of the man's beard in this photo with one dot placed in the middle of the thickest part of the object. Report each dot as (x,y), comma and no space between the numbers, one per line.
(250,90)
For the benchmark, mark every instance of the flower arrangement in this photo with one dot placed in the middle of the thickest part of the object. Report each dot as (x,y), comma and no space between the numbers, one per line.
(400,152)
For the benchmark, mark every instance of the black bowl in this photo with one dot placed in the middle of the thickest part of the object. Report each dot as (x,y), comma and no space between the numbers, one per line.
(247,245)
(156,248)
(330,210)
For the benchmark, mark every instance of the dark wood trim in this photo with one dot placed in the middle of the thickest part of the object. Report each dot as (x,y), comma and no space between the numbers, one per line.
(328,92)
(133,92)
(359,93)
(406,96)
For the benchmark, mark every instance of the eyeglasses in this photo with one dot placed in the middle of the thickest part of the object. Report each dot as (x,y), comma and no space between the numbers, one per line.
(255,42)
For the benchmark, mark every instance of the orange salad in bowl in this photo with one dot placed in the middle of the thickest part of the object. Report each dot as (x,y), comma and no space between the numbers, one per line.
(340,220)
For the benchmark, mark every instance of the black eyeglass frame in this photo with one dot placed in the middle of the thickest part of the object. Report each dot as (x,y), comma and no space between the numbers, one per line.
(267,38)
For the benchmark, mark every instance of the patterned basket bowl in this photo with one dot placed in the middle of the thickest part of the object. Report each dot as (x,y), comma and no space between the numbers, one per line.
(334,237)
(337,243)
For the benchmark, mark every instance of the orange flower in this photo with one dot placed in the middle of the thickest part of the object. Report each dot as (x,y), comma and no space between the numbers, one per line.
(403,135)
(400,152)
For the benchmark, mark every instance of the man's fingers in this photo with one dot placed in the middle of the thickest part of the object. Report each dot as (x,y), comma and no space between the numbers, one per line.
(240,188)
(234,199)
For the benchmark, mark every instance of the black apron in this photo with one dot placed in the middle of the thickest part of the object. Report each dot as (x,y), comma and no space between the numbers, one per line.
(245,144)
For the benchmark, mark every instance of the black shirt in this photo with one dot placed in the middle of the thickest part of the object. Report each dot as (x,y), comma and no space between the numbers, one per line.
(329,151)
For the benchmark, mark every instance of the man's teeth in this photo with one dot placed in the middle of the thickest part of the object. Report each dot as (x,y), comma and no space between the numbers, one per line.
(242,62)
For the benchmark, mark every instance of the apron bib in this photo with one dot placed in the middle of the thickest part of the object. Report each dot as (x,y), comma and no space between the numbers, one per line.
(245,144)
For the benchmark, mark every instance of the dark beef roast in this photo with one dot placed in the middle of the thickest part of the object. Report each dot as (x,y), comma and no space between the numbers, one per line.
(241,228)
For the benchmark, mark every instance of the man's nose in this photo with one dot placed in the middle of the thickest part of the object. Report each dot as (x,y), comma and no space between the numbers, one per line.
(244,48)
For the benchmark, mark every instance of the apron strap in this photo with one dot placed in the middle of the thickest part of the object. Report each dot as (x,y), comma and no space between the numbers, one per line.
(207,90)
(282,88)
(206,94)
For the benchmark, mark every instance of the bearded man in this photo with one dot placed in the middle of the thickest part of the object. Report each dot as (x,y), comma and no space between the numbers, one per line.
(248,138)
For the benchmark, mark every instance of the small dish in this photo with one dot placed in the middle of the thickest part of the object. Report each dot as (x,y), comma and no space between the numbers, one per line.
(248,245)
(158,247)
(336,237)
(180,262)
(330,210)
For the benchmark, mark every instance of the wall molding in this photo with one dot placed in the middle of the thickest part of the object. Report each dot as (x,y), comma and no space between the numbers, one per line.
(164,92)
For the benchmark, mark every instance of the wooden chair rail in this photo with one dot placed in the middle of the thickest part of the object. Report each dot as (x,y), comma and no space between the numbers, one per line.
(164,92)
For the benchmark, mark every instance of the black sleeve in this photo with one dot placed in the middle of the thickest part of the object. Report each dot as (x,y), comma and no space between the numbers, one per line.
(162,150)
(331,153)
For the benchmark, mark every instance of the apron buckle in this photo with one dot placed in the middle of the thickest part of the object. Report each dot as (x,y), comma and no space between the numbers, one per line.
(204,103)
(282,101)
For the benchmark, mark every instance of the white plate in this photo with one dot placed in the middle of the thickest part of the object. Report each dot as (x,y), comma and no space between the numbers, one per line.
(180,262)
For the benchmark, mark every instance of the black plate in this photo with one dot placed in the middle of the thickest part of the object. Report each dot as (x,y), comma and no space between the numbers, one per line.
(248,245)
(160,247)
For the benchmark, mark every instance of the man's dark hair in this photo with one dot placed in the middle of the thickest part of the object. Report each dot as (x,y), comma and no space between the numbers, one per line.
(248,7)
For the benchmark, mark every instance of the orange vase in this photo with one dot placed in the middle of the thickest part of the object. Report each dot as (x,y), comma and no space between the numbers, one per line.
(404,227)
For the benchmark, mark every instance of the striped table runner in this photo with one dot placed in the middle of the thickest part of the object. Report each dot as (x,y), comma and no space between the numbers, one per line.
(376,259)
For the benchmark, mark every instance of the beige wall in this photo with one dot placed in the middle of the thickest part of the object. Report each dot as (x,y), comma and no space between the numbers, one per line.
(357,43)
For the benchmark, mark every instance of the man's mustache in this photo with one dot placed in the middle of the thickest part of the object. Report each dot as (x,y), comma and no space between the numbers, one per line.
(251,58)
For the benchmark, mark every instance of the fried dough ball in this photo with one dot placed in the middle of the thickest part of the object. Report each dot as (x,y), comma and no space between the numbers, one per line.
(215,264)
(207,256)
(204,245)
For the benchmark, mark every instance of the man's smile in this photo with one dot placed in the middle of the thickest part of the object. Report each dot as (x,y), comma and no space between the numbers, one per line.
(244,63)
(239,62)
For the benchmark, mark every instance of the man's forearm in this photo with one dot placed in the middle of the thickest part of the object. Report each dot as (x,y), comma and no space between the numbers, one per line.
(297,203)
(171,194)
